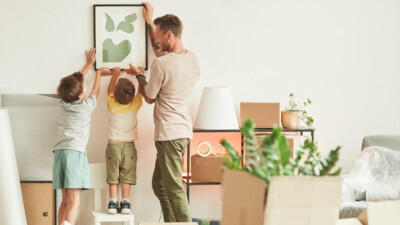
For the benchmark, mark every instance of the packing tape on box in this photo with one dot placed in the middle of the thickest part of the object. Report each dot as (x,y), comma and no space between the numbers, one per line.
(209,149)
(222,150)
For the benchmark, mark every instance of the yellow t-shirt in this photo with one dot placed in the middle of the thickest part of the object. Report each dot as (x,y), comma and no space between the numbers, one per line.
(123,118)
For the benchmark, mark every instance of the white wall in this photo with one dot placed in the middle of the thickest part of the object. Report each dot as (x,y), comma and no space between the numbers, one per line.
(343,54)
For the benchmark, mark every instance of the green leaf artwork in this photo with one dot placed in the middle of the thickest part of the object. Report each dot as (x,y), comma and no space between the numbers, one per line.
(109,24)
(126,25)
(131,18)
(115,53)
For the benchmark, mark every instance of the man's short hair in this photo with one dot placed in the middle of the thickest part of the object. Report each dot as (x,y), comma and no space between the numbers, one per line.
(171,23)
(71,87)
(124,91)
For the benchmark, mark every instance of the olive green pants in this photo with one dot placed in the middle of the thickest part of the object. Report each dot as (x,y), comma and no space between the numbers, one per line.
(167,180)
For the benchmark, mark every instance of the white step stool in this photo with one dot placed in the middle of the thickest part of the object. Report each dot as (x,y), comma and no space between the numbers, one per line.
(98,173)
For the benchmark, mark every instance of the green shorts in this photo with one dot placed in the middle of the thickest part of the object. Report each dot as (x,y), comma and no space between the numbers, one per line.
(70,170)
(121,158)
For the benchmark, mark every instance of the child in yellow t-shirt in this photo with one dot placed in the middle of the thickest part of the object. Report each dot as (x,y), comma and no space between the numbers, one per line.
(121,157)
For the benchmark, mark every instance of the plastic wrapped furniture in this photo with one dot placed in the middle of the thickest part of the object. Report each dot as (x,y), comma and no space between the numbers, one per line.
(375,175)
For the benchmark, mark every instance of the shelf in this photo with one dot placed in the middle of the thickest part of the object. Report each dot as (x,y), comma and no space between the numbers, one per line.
(199,183)
(221,131)
(300,129)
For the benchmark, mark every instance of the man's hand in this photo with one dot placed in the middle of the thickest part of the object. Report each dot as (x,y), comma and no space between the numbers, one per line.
(103,71)
(135,71)
(141,70)
(116,71)
(148,12)
(90,57)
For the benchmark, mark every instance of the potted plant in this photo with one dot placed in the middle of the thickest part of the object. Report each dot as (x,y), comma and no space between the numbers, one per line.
(291,116)
(245,182)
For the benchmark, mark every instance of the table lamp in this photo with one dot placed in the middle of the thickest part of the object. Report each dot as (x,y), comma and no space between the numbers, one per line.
(216,110)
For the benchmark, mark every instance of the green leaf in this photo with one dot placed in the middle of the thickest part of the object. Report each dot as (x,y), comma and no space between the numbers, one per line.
(226,161)
(260,173)
(125,26)
(232,153)
(337,172)
(249,141)
(109,24)
(324,162)
(248,128)
(131,18)
(332,159)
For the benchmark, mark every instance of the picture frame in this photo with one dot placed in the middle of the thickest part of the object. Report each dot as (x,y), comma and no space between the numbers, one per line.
(120,36)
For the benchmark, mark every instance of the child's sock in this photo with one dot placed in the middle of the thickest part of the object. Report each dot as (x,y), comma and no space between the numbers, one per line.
(113,199)
(65,223)
(125,199)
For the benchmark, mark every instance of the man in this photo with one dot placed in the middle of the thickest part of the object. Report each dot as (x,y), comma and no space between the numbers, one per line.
(173,76)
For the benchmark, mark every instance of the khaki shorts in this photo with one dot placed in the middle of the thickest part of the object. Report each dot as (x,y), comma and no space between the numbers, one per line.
(121,158)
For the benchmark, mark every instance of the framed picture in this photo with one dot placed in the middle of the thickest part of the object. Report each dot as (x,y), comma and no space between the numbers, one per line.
(120,36)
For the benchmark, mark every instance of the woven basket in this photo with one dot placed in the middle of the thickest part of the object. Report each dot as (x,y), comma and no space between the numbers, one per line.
(290,119)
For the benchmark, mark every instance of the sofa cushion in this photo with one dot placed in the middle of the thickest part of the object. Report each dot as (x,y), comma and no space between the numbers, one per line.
(387,141)
(352,209)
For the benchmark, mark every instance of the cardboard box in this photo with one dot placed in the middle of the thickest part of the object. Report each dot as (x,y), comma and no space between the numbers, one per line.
(351,221)
(243,198)
(290,200)
(39,202)
(264,115)
(381,213)
(206,169)
(294,142)
(303,201)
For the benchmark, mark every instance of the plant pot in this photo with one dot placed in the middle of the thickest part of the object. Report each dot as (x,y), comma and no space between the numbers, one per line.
(290,119)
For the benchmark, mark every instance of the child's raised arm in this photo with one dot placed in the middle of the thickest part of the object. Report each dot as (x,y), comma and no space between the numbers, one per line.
(90,59)
(96,85)
(116,72)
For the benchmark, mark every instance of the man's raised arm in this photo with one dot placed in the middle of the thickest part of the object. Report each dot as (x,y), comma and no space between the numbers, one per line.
(148,16)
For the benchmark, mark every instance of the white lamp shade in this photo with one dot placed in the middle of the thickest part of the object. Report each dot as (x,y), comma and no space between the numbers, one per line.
(216,110)
(11,205)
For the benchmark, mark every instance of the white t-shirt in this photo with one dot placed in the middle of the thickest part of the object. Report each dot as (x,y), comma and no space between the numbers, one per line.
(172,80)
(73,124)
(123,118)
